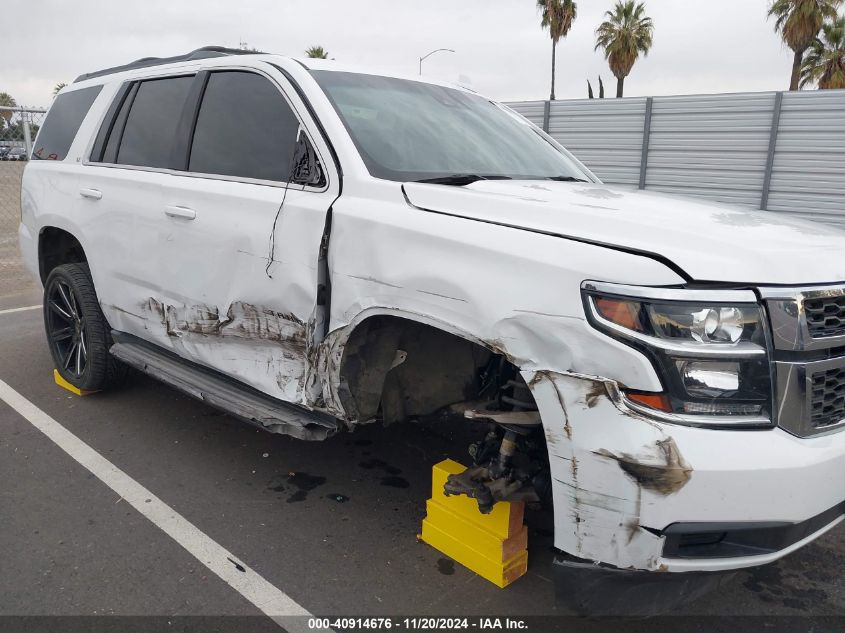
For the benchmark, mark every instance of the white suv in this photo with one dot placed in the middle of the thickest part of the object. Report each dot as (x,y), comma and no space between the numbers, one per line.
(312,248)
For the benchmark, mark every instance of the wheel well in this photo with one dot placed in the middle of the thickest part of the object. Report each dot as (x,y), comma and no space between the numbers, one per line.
(57,247)
(396,369)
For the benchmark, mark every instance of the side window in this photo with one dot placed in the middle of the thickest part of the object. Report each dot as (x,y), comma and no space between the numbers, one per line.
(152,121)
(245,128)
(56,135)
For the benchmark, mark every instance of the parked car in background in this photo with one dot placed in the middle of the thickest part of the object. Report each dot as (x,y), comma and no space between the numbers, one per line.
(16,153)
(3,151)
(313,247)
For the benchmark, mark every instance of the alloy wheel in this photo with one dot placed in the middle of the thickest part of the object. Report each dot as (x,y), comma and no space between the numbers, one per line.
(66,329)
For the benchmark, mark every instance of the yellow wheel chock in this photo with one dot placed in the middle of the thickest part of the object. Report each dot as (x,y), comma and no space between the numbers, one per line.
(494,546)
(64,384)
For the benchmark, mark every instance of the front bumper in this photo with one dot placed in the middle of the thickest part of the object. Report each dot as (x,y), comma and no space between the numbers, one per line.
(634,493)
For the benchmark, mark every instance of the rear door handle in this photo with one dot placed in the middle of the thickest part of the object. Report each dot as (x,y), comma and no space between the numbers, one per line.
(180,212)
(94,194)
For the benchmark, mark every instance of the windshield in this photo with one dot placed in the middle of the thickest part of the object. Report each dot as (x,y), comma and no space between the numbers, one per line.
(409,130)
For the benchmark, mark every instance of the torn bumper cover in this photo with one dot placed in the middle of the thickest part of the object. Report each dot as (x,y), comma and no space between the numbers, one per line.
(636,494)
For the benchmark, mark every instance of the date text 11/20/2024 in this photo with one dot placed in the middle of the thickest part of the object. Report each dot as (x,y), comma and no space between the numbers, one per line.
(420,623)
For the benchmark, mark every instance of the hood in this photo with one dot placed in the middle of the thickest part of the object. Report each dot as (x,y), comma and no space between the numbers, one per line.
(707,241)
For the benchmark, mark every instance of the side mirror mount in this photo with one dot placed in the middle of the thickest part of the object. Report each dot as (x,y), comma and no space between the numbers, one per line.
(306,169)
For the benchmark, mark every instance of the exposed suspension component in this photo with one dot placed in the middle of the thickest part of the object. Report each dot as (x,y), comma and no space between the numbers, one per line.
(510,463)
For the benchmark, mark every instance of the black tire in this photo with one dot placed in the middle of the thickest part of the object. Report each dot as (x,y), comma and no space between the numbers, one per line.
(77,332)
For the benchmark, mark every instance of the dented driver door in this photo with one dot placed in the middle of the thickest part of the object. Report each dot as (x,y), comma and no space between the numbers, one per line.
(239,244)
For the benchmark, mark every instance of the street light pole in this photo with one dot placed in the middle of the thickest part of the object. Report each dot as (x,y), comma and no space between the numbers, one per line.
(437,50)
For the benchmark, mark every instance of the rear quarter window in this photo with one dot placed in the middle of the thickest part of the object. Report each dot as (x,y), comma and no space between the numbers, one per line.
(62,123)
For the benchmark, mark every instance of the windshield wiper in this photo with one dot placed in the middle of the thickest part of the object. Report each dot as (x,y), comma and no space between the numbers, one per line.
(566,179)
(460,180)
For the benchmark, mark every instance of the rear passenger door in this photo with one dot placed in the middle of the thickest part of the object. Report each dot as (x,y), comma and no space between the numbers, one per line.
(240,233)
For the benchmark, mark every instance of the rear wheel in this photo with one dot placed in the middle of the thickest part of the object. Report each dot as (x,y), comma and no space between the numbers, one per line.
(77,332)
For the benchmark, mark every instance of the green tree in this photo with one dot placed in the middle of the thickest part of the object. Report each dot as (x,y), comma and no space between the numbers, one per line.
(626,32)
(557,16)
(9,101)
(825,61)
(58,88)
(799,23)
(317,52)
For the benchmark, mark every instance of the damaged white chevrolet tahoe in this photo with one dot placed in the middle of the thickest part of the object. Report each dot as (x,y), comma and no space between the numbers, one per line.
(312,248)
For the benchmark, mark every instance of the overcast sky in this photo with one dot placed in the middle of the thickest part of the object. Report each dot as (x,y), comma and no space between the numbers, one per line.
(700,46)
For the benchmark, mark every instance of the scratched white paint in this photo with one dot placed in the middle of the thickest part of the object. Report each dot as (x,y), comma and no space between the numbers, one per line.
(137,253)
(598,506)
(517,291)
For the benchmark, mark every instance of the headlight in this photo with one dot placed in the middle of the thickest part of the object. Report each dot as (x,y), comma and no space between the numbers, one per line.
(708,347)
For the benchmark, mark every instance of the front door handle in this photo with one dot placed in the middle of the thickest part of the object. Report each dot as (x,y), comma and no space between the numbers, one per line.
(94,194)
(180,212)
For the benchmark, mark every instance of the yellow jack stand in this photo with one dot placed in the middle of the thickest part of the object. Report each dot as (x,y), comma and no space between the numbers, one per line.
(64,384)
(494,546)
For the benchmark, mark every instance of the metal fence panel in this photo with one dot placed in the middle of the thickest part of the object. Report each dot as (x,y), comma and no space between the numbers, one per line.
(778,151)
(711,146)
(531,110)
(605,134)
(14,278)
(808,178)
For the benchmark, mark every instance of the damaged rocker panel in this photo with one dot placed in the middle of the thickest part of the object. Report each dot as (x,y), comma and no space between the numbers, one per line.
(217,390)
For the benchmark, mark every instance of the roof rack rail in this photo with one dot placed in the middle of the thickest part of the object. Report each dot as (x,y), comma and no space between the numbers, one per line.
(201,53)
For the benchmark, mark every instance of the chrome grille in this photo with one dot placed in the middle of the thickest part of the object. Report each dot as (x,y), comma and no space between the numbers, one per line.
(808,336)
(825,316)
(827,398)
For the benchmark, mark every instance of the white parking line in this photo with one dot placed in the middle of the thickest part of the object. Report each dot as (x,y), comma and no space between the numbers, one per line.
(270,600)
(11,310)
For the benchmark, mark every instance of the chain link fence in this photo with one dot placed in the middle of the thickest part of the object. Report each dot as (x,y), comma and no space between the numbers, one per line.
(18,129)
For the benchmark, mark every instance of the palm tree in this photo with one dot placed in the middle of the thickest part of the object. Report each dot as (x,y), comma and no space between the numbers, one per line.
(590,89)
(625,34)
(9,101)
(825,62)
(316,52)
(799,22)
(58,88)
(557,17)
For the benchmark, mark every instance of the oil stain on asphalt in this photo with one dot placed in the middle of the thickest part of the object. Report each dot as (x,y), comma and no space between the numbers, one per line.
(392,479)
(303,482)
(380,464)
(395,482)
(446,566)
